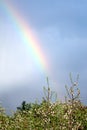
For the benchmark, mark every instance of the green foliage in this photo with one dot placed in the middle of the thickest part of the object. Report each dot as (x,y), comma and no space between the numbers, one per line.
(48,115)
(24,106)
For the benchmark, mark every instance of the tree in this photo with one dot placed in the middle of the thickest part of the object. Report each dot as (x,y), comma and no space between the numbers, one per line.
(73,106)
(24,106)
(49,95)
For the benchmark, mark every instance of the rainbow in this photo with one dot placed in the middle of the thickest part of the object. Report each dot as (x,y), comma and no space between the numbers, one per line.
(26,34)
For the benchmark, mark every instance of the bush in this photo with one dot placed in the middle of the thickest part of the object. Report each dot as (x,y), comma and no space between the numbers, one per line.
(48,115)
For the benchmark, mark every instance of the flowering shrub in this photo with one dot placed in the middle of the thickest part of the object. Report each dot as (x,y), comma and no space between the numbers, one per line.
(48,115)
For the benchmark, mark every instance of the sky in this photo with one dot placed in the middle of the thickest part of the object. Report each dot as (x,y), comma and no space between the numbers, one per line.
(61,29)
